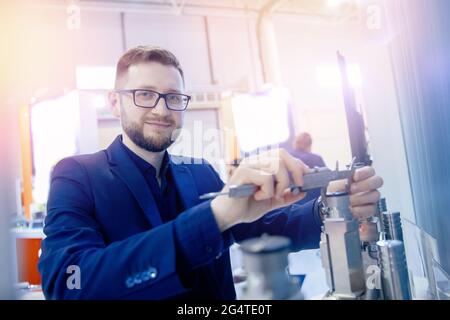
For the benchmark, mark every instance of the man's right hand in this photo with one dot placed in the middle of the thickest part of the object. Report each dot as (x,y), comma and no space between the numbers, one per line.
(270,172)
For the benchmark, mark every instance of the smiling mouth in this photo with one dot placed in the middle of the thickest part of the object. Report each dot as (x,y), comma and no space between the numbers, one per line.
(159,124)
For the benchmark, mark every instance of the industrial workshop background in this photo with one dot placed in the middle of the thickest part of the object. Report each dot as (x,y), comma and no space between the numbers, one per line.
(400,49)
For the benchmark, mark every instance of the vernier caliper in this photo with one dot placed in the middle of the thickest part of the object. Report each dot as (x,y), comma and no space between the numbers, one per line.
(318,178)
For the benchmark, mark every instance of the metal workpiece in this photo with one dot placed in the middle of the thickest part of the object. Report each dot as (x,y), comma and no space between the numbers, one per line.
(337,206)
(362,259)
(341,251)
(340,247)
(368,230)
(369,254)
(265,260)
(392,225)
(372,271)
(369,234)
(326,259)
(373,277)
(394,271)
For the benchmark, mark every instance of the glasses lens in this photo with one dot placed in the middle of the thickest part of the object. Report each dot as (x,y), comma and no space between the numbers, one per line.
(177,101)
(145,98)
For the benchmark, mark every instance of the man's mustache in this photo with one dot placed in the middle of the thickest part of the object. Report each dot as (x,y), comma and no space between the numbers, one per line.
(160,119)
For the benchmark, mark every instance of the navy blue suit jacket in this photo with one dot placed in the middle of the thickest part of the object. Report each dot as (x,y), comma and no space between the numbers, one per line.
(103,220)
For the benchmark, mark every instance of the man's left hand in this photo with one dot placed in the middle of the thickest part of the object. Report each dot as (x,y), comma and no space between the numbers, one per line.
(363,191)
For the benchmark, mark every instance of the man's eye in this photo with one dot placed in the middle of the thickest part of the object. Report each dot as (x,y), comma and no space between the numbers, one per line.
(174,98)
(145,94)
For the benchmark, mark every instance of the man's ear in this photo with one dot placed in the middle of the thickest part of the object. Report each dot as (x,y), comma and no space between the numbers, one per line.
(114,103)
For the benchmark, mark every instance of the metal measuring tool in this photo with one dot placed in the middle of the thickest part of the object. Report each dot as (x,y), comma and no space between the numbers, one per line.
(319,178)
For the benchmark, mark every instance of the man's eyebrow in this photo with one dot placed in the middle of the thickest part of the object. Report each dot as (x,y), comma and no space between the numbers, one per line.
(147,87)
(155,89)
(174,90)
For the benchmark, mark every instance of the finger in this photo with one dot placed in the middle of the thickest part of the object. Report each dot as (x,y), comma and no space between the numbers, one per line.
(363,173)
(364,211)
(275,167)
(261,160)
(282,179)
(264,182)
(267,164)
(294,166)
(369,184)
(289,197)
(276,161)
(370,197)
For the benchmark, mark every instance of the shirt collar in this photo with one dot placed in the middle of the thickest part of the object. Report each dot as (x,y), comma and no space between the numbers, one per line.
(146,167)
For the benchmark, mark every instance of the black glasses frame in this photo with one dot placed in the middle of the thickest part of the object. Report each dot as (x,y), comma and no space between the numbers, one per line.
(160,95)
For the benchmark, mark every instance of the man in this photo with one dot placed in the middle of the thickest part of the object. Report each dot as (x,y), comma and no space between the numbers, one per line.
(127,222)
(302,150)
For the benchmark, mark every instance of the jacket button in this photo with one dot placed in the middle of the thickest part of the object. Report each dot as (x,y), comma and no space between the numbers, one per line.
(145,276)
(219,255)
(138,279)
(153,273)
(208,249)
(130,282)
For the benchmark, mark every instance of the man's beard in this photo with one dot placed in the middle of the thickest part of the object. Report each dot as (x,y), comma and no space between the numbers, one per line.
(135,132)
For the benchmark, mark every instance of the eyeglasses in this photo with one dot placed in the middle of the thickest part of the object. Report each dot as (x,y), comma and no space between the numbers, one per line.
(149,99)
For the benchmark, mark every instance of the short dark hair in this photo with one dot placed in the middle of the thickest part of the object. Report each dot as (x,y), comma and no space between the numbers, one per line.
(145,54)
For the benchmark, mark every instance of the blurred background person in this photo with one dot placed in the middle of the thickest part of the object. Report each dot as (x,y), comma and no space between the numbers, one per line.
(302,150)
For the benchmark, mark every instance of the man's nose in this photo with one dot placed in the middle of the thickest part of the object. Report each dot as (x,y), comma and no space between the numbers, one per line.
(160,108)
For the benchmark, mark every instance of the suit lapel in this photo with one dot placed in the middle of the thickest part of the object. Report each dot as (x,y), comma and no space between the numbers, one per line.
(126,170)
(185,184)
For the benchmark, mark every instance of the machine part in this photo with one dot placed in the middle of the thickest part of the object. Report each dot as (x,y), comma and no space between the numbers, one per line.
(369,255)
(369,235)
(337,206)
(394,271)
(266,262)
(340,248)
(368,230)
(392,225)
(382,206)
(370,262)
(355,120)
